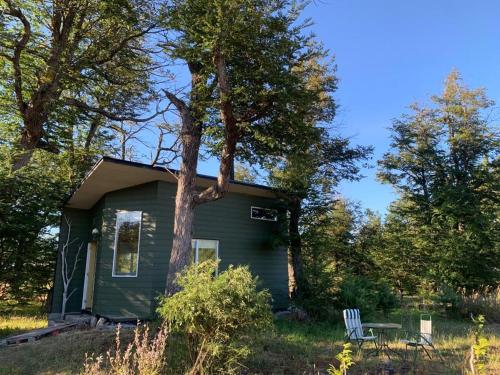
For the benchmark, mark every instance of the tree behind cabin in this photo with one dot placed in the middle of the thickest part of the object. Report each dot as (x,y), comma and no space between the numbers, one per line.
(445,165)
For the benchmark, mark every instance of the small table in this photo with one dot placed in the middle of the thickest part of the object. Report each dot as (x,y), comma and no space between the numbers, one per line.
(382,329)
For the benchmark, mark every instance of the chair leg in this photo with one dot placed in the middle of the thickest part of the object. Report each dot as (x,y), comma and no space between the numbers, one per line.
(415,355)
(426,352)
(437,352)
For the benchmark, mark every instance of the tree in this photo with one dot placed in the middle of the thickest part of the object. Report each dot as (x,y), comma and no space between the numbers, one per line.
(392,252)
(244,173)
(68,270)
(308,179)
(68,60)
(445,165)
(29,207)
(244,59)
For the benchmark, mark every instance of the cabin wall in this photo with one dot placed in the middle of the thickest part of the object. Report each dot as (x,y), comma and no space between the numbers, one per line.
(127,296)
(80,232)
(242,240)
(246,241)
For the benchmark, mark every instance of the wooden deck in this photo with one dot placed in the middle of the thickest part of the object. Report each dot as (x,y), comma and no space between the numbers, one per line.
(37,334)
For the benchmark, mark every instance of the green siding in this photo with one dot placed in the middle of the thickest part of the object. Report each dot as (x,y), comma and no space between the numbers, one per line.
(242,240)
(127,296)
(80,224)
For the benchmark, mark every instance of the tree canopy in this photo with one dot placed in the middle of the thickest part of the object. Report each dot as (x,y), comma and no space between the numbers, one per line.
(444,163)
(67,65)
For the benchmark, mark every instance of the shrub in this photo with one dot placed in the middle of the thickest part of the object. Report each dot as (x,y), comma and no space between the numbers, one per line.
(387,300)
(215,313)
(479,350)
(345,361)
(448,297)
(465,303)
(368,296)
(485,302)
(319,294)
(145,355)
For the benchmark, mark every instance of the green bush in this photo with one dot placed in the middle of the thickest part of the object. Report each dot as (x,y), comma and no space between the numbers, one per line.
(318,296)
(387,300)
(216,315)
(366,295)
(464,303)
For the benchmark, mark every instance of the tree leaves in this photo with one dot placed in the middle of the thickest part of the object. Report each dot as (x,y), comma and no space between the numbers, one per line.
(445,165)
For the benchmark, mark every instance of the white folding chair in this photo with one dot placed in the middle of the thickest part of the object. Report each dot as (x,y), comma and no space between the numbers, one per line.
(422,339)
(354,329)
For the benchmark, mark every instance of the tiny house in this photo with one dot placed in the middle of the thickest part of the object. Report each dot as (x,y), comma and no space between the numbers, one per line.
(120,224)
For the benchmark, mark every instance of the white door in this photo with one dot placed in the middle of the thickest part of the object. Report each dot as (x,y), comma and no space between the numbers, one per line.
(88,285)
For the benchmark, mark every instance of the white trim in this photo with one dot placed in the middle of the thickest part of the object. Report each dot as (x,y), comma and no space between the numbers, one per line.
(196,253)
(263,208)
(113,274)
(86,277)
(91,247)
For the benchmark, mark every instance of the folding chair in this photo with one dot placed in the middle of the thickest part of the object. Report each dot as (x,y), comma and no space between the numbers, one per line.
(422,339)
(354,329)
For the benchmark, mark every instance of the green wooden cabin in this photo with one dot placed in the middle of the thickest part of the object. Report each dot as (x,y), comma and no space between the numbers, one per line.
(121,219)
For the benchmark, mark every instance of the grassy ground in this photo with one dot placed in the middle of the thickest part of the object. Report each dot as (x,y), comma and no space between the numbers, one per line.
(294,348)
(300,348)
(18,319)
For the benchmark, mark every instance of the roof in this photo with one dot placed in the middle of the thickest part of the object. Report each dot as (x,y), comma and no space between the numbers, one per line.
(110,174)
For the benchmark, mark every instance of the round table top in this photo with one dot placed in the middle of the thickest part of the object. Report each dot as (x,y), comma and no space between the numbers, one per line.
(382,325)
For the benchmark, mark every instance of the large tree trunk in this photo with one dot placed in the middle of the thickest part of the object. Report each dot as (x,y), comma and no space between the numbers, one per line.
(296,247)
(184,204)
(31,137)
(187,197)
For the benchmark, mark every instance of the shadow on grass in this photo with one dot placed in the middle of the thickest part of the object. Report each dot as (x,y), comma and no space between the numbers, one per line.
(293,348)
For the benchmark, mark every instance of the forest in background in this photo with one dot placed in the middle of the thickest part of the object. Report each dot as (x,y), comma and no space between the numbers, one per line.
(103,86)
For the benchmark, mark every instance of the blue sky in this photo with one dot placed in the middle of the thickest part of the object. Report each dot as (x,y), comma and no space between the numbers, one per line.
(391,53)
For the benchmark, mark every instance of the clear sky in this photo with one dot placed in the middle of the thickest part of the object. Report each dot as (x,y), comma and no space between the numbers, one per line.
(391,53)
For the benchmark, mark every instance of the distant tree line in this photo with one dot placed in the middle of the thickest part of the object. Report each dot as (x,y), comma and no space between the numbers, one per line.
(81,79)
(441,234)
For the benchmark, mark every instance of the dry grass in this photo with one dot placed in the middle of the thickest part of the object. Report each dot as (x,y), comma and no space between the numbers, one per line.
(63,354)
(294,348)
(14,324)
(485,302)
(300,348)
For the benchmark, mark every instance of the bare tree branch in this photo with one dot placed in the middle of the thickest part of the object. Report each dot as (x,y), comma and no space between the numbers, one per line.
(19,46)
(174,148)
(66,274)
(178,103)
(111,116)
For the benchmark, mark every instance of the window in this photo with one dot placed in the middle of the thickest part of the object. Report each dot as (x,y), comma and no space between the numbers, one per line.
(260,213)
(127,238)
(204,250)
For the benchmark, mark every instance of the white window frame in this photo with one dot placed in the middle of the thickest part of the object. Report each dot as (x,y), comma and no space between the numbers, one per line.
(263,208)
(113,274)
(196,250)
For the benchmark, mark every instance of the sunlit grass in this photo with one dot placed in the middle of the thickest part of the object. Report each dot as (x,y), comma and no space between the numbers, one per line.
(305,348)
(308,348)
(13,324)
(18,319)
